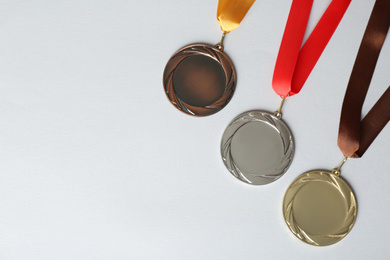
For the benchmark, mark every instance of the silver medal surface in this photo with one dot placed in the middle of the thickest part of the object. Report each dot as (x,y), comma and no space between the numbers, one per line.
(257,147)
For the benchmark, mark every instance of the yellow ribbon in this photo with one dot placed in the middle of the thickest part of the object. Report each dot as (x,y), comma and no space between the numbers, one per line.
(231,12)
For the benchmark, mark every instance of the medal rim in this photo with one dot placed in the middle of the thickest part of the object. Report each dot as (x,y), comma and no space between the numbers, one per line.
(209,51)
(286,138)
(342,186)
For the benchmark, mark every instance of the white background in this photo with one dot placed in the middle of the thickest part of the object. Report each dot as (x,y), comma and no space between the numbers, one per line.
(95,163)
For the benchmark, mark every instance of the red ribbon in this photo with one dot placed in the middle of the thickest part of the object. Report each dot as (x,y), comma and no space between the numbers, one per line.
(294,65)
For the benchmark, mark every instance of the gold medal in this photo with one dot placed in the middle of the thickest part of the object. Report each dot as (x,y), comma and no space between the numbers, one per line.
(319,207)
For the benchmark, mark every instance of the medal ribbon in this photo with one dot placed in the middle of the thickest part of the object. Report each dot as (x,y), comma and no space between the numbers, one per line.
(355,136)
(294,65)
(231,12)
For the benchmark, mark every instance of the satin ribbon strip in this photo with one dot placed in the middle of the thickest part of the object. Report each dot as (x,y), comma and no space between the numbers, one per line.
(355,136)
(294,65)
(231,12)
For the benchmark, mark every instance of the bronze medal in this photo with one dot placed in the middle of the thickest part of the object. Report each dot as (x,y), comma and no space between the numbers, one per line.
(199,79)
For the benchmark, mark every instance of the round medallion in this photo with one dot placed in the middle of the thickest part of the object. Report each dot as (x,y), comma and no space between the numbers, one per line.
(199,80)
(319,208)
(257,147)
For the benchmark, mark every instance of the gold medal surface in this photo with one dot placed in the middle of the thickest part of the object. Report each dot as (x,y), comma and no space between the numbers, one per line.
(319,208)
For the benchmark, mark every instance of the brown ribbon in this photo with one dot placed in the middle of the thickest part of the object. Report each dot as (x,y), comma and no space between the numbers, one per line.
(355,136)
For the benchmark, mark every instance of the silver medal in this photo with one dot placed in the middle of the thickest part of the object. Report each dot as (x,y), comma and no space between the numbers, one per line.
(257,147)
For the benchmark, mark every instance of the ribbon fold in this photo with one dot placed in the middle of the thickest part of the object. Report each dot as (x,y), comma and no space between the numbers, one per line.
(231,12)
(356,135)
(294,65)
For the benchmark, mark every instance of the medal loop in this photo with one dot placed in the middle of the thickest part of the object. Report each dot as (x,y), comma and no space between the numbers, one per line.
(219,46)
(336,171)
(278,113)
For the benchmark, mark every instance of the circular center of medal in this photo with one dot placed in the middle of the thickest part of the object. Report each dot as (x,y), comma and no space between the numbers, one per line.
(199,80)
(319,208)
(257,148)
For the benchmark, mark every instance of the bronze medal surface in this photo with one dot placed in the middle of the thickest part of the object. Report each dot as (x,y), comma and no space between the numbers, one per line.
(319,208)
(199,80)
